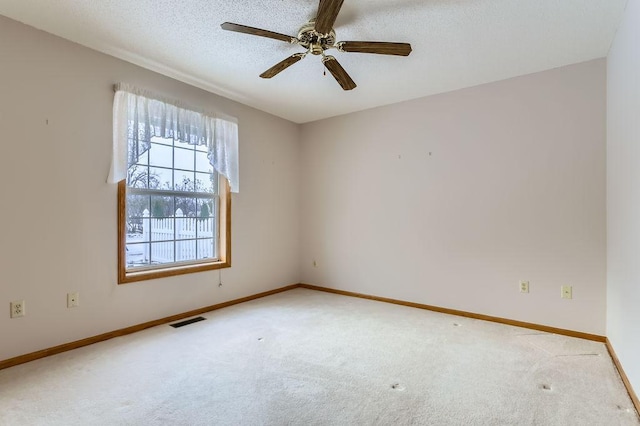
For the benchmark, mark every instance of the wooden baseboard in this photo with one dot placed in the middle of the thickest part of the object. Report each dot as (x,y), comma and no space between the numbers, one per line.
(128,330)
(623,375)
(548,329)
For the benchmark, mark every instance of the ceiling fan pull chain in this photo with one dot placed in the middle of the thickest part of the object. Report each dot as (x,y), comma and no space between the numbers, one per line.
(324,67)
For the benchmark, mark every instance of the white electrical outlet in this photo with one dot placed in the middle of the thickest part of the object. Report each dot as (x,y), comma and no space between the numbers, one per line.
(73,300)
(566,292)
(17,309)
(524,286)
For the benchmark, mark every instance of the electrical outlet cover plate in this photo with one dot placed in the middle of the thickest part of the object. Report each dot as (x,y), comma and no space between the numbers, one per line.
(524,286)
(17,309)
(73,300)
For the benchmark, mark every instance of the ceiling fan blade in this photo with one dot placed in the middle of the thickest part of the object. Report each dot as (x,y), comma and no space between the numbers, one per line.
(229,26)
(282,65)
(327,13)
(379,47)
(338,72)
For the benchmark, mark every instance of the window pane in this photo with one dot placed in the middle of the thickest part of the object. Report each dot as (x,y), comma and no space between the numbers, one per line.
(184,158)
(162,252)
(205,182)
(187,205)
(162,207)
(162,229)
(206,249)
(205,228)
(202,163)
(137,152)
(161,140)
(160,178)
(137,254)
(202,148)
(143,159)
(205,208)
(138,176)
(182,144)
(185,229)
(137,205)
(161,155)
(183,181)
(186,250)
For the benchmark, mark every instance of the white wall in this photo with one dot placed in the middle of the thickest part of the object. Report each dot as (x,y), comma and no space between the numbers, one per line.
(623,193)
(450,200)
(58,215)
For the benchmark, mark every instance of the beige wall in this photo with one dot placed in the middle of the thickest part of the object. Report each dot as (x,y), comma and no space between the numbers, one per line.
(450,200)
(623,194)
(59,216)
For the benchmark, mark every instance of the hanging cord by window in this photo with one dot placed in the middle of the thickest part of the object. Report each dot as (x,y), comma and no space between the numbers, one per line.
(219,277)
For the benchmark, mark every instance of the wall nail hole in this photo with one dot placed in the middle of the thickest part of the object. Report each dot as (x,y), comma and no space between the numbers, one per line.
(545,387)
(455,324)
(260,339)
(397,386)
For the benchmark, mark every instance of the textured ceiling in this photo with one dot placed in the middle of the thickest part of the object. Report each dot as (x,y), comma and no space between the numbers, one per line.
(456,44)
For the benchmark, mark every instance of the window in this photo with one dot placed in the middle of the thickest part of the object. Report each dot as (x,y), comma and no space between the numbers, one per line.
(174,203)
(174,206)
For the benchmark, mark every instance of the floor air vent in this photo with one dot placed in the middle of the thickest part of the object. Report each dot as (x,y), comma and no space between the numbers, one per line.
(187,322)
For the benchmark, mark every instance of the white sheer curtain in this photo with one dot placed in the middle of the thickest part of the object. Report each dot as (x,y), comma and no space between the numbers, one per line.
(139,115)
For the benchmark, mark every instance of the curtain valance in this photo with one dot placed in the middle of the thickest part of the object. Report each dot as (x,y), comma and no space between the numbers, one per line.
(139,115)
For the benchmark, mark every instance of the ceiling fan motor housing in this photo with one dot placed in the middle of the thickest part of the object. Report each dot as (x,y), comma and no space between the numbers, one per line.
(317,43)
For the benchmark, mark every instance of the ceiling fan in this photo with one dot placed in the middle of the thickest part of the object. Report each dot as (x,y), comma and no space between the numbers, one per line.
(317,36)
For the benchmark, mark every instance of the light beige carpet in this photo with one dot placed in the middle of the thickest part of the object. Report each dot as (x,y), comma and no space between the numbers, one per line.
(310,358)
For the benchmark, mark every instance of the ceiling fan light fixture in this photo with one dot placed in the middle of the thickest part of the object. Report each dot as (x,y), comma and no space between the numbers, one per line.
(316,49)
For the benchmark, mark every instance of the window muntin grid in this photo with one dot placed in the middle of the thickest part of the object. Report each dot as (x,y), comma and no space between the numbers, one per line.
(173,207)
